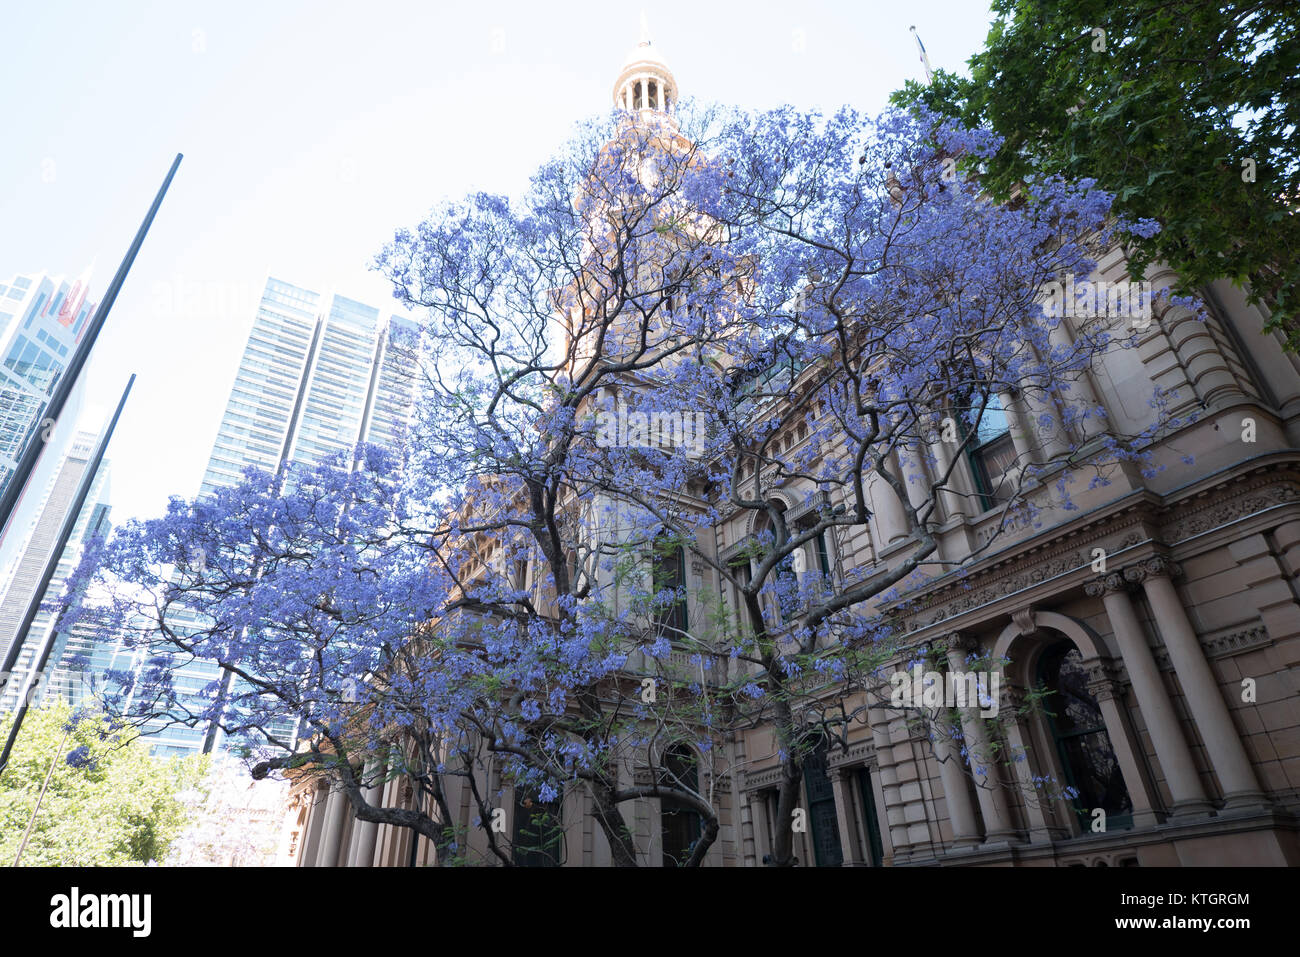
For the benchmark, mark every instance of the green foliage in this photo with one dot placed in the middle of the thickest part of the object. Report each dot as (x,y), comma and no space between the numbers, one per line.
(1163,110)
(117,807)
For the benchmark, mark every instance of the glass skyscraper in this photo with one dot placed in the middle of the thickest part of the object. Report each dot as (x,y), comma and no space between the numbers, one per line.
(320,374)
(85,640)
(42,320)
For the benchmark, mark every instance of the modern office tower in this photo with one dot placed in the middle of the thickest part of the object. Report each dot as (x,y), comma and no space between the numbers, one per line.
(61,675)
(320,374)
(42,320)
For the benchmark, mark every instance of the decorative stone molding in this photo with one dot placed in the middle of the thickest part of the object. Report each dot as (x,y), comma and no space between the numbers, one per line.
(864,752)
(1225,644)
(1023,572)
(734,551)
(1161,567)
(1253,494)
(757,780)
(819,500)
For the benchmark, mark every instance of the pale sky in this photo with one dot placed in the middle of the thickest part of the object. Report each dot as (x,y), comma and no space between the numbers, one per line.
(312,130)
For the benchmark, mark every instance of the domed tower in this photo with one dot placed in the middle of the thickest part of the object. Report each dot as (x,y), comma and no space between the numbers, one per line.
(645,82)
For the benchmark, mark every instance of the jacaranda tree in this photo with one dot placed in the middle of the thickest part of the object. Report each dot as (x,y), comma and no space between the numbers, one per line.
(612,366)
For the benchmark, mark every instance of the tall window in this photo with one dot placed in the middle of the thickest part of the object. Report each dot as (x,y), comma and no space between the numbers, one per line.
(1081,739)
(679,825)
(823,553)
(669,575)
(874,845)
(992,452)
(539,830)
(824,826)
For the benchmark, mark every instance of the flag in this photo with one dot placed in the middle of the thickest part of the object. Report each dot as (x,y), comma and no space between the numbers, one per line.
(925,57)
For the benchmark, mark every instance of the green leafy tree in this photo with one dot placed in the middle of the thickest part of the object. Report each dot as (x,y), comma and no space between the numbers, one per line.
(1186,110)
(107,803)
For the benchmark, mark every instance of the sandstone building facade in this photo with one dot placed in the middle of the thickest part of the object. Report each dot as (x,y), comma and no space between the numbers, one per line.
(1176,663)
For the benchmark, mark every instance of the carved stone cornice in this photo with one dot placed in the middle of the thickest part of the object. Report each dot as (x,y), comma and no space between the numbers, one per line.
(1068,547)
(1030,568)
(1224,502)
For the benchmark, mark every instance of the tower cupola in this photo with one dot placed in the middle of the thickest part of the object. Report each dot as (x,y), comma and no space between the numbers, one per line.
(645,82)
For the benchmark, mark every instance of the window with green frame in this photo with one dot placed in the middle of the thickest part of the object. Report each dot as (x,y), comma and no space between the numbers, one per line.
(991,451)
(1082,741)
(875,848)
(680,826)
(669,574)
(539,830)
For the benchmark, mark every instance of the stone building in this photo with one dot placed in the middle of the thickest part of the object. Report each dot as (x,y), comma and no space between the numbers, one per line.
(1176,660)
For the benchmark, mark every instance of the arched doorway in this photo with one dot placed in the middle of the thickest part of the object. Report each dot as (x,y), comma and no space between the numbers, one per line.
(1083,745)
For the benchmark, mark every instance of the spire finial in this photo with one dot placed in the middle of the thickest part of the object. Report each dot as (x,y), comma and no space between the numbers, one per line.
(645,30)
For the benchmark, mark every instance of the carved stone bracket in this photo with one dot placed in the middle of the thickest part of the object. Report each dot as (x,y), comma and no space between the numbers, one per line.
(1024,620)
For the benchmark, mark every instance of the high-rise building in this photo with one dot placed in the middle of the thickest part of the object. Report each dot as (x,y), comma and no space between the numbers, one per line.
(83,641)
(320,374)
(42,320)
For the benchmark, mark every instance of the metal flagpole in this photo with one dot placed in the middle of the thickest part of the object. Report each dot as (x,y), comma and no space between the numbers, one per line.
(51,565)
(63,389)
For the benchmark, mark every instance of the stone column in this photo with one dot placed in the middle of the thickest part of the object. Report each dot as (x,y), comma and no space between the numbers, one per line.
(952,772)
(1204,697)
(1043,825)
(850,846)
(336,809)
(1189,798)
(1081,394)
(1105,688)
(890,811)
(1016,427)
(954,502)
(1048,438)
(313,826)
(891,518)
(366,833)
(916,479)
(988,788)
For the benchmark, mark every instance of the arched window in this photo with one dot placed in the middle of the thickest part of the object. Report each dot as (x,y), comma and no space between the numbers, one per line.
(679,824)
(638,100)
(1081,739)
